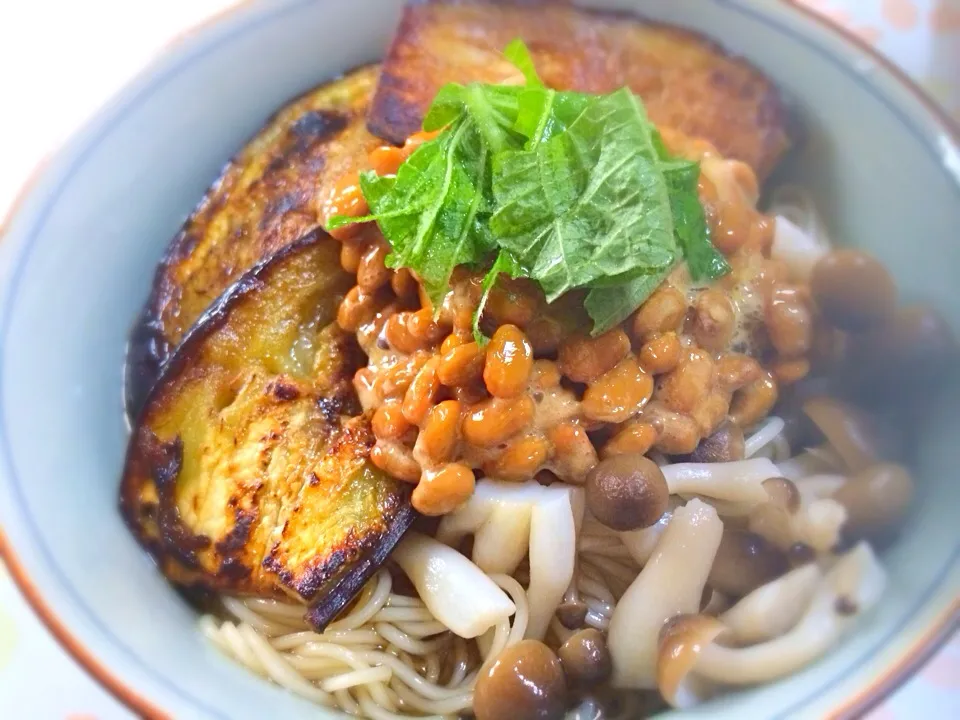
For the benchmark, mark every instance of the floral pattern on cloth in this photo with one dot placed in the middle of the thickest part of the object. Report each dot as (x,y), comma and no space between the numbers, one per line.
(923,37)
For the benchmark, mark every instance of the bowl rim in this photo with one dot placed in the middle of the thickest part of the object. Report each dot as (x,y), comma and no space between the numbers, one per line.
(931,638)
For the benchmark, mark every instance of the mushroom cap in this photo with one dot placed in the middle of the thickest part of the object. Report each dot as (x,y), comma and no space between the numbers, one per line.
(848,430)
(627,492)
(853,289)
(572,614)
(875,498)
(524,682)
(745,561)
(784,493)
(681,640)
(585,658)
(724,445)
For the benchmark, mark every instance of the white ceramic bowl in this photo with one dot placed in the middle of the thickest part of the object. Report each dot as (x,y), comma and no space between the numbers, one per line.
(79,254)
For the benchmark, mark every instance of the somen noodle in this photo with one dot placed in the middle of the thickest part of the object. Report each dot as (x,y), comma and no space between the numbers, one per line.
(541,414)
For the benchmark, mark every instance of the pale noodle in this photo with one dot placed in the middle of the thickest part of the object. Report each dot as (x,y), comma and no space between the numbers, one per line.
(765,435)
(389,657)
(365,662)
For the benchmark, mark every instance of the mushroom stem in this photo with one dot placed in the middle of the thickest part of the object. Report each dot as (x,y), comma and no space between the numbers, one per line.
(500,544)
(816,522)
(770,429)
(457,592)
(814,487)
(510,520)
(875,499)
(851,588)
(812,461)
(671,583)
(553,551)
(726,509)
(848,430)
(739,481)
(641,543)
(717,603)
(774,608)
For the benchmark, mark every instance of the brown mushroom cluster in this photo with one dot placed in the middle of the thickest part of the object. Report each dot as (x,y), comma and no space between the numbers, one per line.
(530,682)
(669,505)
(558,519)
(697,651)
(677,506)
(693,367)
(527,682)
(627,492)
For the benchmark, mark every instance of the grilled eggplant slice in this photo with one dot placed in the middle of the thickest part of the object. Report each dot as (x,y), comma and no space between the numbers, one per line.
(685,80)
(242,475)
(264,200)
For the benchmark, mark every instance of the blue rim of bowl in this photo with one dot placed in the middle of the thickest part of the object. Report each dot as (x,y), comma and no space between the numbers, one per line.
(936,632)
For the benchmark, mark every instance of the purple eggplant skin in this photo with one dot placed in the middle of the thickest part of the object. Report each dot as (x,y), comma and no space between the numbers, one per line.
(265,198)
(248,469)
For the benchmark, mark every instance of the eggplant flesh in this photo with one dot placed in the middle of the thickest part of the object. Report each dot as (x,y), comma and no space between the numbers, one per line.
(248,470)
(686,81)
(266,198)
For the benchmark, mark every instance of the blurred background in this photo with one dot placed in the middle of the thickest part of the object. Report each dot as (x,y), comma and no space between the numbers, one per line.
(60,60)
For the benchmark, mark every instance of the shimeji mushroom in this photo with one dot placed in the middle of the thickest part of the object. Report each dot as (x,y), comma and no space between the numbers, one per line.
(525,682)
(641,543)
(734,488)
(627,492)
(849,472)
(457,592)
(774,608)
(585,658)
(726,444)
(753,488)
(738,482)
(791,517)
(874,499)
(690,655)
(744,562)
(513,520)
(671,583)
(850,432)
(864,504)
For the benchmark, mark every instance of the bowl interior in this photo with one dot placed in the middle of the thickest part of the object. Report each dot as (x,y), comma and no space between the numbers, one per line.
(80,254)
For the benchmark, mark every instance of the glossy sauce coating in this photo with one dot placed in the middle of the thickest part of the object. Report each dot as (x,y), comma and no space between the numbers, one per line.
(627,492)
(543,395)
(525,682)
